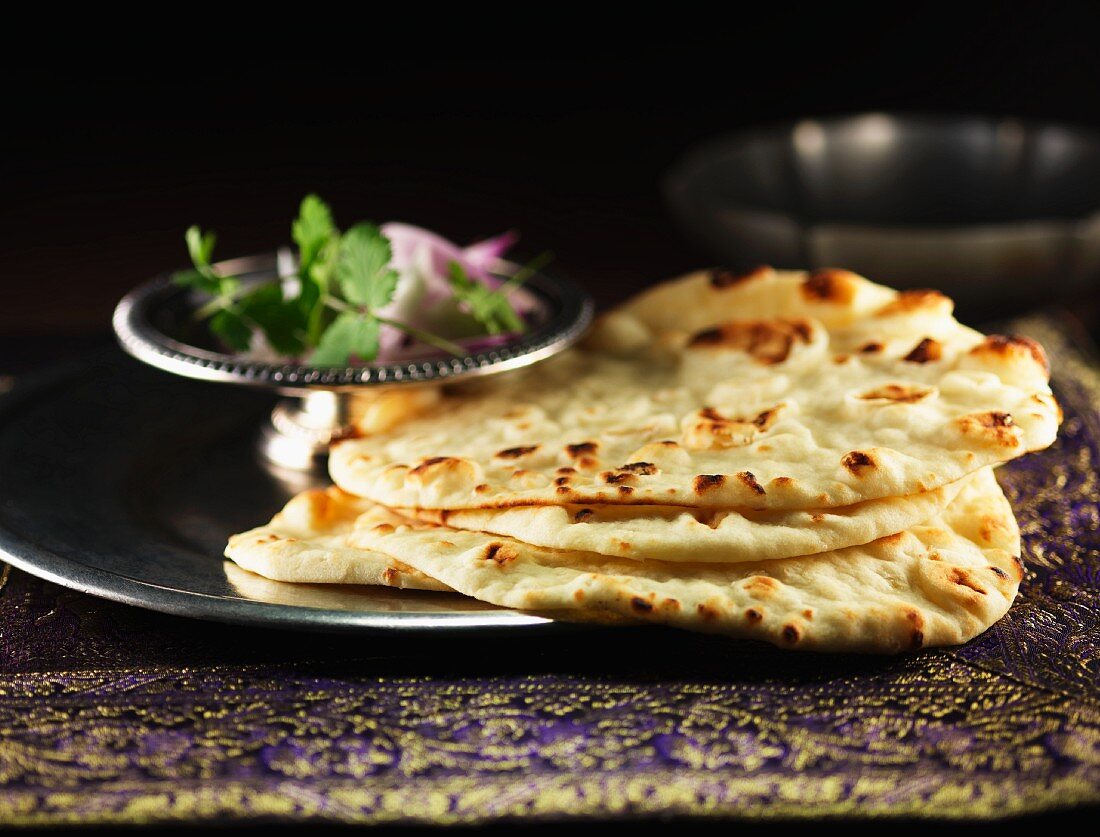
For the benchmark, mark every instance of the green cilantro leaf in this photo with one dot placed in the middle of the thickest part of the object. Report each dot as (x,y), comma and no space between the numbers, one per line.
(362,267)
(489,307)
(231,327)
(279,319)
(200,245)
(203,277)
(318,317)
(318,241)
(350,334)
(312,230)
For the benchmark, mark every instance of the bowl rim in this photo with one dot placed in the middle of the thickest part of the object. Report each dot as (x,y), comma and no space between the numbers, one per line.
(684,168)
(573,312)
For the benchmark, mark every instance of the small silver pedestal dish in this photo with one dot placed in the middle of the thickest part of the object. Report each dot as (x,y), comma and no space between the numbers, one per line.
(999,213)
(155,324)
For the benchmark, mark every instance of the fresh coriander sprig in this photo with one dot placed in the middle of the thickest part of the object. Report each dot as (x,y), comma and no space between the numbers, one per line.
(419,333)
(492,307)
(318,241)
(424,336)
(367,283)
(227,320)
(486,306)
(344,280)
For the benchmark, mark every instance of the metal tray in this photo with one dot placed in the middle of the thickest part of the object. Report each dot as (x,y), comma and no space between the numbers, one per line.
(123,482)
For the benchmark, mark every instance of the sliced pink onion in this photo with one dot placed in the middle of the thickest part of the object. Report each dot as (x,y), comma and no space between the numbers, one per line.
(423,260)
(486,255)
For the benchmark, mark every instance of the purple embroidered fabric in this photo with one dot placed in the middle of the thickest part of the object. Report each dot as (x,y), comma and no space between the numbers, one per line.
(113,715)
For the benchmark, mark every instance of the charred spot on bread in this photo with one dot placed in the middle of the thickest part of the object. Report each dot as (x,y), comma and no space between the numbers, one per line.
(916,299)
(640,605)
(616,477)
(499,553)
(1018,566)
(898,393)
(723,278)
(428,463)
(829,285)
(582,448)
(768,342)
(708,613)
(994,427)
(708,429)
(705,482)
(925,351)
(962,578)
(766,418)
(916,628)
(858,461)
(761,586)
(517,452)
(748,479)
(706,337)
(1007,345)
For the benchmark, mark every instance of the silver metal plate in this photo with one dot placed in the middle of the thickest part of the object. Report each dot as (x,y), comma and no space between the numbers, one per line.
(123,482)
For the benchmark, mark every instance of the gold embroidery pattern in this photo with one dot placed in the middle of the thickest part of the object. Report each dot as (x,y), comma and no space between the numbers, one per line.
(140,747)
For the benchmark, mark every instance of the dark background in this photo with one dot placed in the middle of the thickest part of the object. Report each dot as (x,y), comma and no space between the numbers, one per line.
(557,126)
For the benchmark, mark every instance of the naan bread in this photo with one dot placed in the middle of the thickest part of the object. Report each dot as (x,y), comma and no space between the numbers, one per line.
(375,411)
(776,390)
(675,533)
(940,583)
(307,542)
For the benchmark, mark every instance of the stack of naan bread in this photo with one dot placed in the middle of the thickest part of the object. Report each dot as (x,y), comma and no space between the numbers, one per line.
(803,458)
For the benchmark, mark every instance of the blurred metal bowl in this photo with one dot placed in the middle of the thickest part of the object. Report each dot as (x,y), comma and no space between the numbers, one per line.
(999,213)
